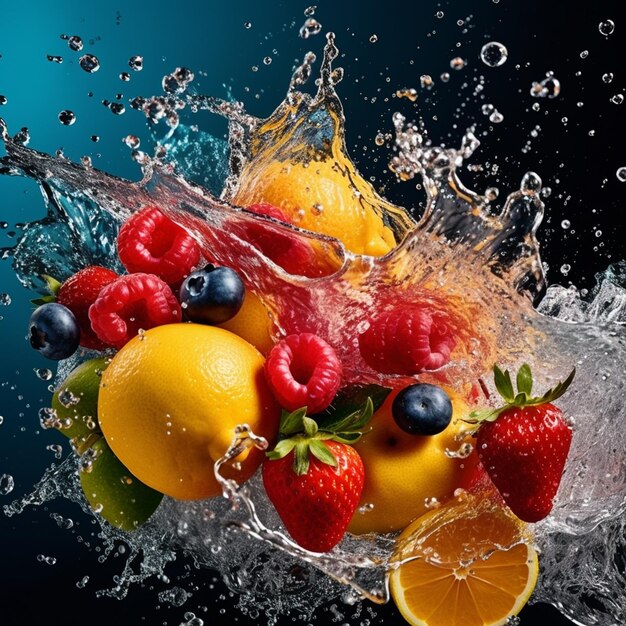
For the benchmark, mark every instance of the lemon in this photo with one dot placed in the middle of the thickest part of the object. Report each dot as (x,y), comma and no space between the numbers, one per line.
(404,472)
(170,401)
(470,563)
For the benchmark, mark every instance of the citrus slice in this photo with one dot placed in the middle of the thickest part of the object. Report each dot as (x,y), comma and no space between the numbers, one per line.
(469,563)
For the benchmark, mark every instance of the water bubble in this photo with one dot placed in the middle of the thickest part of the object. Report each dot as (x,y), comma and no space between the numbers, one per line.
(618,98)
(487,109)
(565,224)
(1,420)
(67,118)
(5,299)
(621,174)
(564,120)
(6,484)
(445,77)
(43,373)
(531,183)
(439,14)
(592,133)
(373,38)
(457,63)
(584,54)
(67,398)
(608,77)
(48,560)
(247,25)
(496,117)
(53,58)
(82,582)
(117,108)
(379,140)
(132,141)
(125,76)
(565,269)
(75,43)
(491,193)
(549,87)
(310,27)
(409,94)
(494,54)
(426,81)
(136,63)
(56,449)
(3,100)
(89,63)
(606,27)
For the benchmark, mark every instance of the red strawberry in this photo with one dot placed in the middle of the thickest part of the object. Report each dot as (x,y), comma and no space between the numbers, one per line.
(523,445)
(78,293)
(314,479)
(407,339)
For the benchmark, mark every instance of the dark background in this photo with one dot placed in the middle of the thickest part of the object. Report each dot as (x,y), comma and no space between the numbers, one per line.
(411,40)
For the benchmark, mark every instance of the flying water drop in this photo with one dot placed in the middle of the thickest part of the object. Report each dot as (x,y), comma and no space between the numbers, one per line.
(89,63)
(494,54)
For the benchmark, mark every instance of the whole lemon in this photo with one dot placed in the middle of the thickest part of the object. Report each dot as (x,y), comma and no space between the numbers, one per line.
(170,401)
(404,472)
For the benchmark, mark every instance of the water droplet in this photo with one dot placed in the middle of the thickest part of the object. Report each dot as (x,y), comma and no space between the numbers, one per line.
(496,117)
(5,299)
(409,94)
(247,25)
(43,373)
(606,27)
(125,76)
(67,398)
(117,108)
(178,81)
(95,138)
(89,63)
(379,140)
(487,109)
(592,133)
(564,120)
(53,58)
(618,98)
(565,224)
(445,77)
(565,269)
(6,484)
(56,449)
(136,63)
(82,582)
(67,118)
(608,77)
(531,183)
(494,54)
(426,81)
(267,60)
(48,560)
(373,38)
(584,54)
(549,87)
(457,63)
(491,193)
(75,43)
(310,27)
(1,420)
(132,141)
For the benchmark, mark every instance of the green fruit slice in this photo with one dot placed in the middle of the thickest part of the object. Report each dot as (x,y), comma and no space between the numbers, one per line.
(76,399)
(113,492)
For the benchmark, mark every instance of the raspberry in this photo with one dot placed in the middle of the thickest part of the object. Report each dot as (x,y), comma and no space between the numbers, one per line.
(130,303)
(291,253)
(151,242)
(78,293)
(303,370)
(407,340)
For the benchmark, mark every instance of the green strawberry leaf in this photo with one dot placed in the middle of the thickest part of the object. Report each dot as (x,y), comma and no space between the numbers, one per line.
(558,390)
(301,457)
(348,401)
(322,452)
(348,438)
(310,427)
(503,383)
(353,421)
(524,380)
(282,449)
(43,300)
(52,284)
(291,423)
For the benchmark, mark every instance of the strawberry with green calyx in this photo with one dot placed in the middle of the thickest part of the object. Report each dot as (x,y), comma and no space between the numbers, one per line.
(523,445)
(314,478)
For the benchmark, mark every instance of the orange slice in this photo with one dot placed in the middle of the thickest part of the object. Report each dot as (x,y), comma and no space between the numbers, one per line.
(469,563)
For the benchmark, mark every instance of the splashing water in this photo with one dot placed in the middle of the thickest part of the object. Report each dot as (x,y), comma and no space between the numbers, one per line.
(481,268)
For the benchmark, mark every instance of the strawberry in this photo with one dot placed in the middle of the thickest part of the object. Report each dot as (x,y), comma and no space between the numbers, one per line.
(524,444)
(314,478)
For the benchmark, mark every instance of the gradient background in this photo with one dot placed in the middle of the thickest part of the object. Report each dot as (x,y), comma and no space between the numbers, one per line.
(212,40)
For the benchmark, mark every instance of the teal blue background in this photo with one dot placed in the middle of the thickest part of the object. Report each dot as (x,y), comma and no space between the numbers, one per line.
(210,37)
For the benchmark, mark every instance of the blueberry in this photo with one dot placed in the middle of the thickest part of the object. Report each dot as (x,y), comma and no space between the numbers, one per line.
(422,409)
(54,331)
(212,295)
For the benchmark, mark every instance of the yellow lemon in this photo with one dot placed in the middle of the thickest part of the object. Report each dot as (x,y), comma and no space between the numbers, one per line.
(170,401)
(315,183)
(252,323)
(404,473)
(470,563)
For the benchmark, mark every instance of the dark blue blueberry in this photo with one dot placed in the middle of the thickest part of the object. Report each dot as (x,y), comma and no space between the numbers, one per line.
(422,409)
(212,295)
(54,331)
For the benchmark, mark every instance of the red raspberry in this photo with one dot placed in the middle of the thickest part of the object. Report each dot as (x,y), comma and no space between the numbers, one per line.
(130,303)
(151,242)
(407,340)
(291,253)
(303,370)
(78,293)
